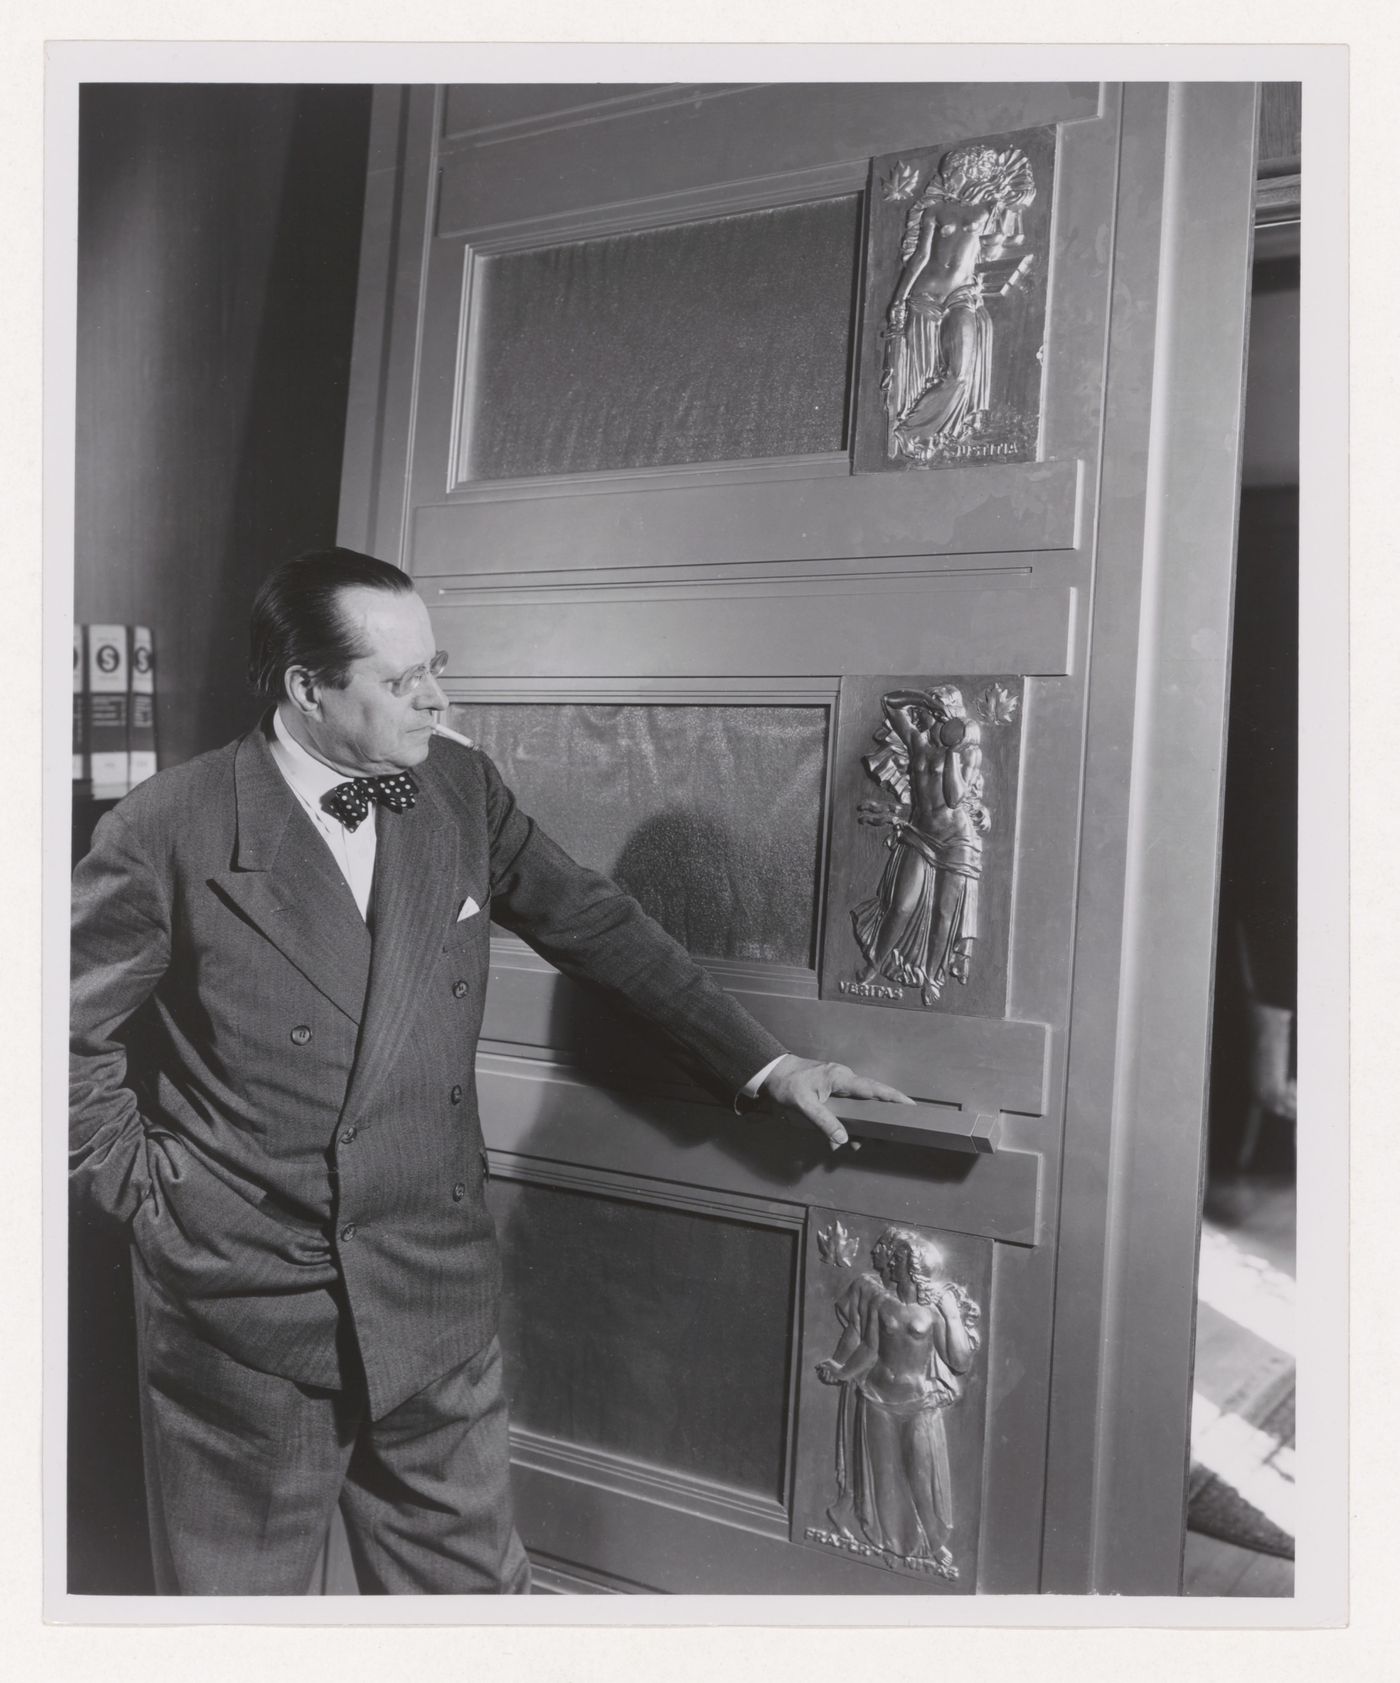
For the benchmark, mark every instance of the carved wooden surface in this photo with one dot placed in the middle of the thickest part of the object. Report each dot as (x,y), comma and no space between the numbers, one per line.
(794,572)
(957,262)
(893,1389)
(537,1112)
(923,843)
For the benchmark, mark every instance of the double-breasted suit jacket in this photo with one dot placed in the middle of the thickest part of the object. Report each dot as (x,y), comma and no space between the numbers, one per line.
(281,1103)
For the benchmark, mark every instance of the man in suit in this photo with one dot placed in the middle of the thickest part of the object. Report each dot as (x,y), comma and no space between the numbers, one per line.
(280,958)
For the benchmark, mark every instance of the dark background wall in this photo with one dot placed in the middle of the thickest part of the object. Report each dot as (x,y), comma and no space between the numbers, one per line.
(1259,842)
(218,249)
(1259,858)
(217,257)
(1261,778)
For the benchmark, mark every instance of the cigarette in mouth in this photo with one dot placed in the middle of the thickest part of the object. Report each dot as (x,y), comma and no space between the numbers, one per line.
(453,736)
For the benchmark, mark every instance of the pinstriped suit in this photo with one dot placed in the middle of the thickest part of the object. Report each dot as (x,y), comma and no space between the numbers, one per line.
(294,1139)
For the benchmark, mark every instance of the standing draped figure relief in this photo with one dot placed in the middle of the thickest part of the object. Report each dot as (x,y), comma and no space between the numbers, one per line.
(909,1334)
(937,373)
(919,928)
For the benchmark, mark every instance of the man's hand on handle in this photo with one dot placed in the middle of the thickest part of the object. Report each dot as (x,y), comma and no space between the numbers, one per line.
(801,1085)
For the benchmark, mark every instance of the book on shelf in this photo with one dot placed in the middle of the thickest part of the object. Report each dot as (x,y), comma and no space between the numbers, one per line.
(141,717)
(80,705)
(114,709)
(108,710)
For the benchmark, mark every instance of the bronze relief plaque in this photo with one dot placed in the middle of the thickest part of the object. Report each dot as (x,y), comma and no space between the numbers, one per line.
(918,911)
(956,265)
(893,1396)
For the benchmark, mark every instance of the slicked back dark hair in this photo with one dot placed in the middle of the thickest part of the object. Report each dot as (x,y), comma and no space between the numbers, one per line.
(297,619)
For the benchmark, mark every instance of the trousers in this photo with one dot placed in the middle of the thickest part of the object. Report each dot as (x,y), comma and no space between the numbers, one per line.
(244,1471)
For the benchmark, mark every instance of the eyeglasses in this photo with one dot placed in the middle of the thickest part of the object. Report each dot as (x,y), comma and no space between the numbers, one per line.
(408,683)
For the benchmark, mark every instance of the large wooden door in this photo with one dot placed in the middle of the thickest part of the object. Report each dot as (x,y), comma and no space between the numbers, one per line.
(882,653)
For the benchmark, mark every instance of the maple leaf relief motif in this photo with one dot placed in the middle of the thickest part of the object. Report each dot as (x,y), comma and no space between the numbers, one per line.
(997,705)
(900,184)
(836,1246)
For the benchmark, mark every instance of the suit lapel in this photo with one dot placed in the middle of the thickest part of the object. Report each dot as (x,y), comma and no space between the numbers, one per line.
(286,883)
(414,883)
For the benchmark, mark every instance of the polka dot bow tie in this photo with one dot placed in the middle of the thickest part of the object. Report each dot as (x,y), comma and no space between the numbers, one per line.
(349,802)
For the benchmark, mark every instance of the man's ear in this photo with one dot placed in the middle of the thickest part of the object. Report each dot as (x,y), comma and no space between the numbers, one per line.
(303,691)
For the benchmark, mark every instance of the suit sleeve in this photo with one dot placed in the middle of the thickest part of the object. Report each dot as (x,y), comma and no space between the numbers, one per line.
(120,951)
(595,932)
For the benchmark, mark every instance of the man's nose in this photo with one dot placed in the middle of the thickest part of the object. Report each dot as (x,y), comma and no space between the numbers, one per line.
(429,697)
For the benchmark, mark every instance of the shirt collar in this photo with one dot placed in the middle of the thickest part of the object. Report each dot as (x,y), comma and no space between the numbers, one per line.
(309,777)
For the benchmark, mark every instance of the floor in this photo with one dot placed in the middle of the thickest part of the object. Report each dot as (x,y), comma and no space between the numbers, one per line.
(1216,1568)
(1244,1334)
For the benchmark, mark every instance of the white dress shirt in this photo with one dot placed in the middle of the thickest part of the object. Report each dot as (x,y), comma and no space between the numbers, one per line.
(310,780)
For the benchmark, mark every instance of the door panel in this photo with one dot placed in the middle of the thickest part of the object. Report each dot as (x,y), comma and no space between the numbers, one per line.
(567,342)
(711,817)
(666,527)
(645,160)
(789,630)
(623,1301)
(872,734)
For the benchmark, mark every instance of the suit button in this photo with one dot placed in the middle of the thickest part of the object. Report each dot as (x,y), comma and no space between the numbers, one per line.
(348,1136)
(459,989)
(459,1192)
(300,1035)
(456,1095)
(348,1231)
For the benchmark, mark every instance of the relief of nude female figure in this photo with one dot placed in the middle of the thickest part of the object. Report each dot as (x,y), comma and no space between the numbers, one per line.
(909,1335)
(938,368)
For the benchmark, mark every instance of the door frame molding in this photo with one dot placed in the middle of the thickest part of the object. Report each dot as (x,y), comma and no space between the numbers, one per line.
(1144,950)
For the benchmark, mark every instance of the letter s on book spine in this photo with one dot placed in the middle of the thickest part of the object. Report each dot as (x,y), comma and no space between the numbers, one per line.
(107,666)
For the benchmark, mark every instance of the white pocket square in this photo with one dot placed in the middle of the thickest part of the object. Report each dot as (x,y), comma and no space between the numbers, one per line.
(469,909)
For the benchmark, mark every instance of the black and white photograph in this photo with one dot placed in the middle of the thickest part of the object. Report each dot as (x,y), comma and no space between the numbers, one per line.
(684,955)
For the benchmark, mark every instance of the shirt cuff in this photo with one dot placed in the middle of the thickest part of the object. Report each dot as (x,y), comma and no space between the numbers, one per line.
(754,1087)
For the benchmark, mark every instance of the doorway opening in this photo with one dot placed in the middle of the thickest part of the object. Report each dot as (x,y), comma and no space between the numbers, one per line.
(1241,1498)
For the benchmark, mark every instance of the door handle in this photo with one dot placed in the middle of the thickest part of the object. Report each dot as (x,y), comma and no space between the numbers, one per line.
(942,1127)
